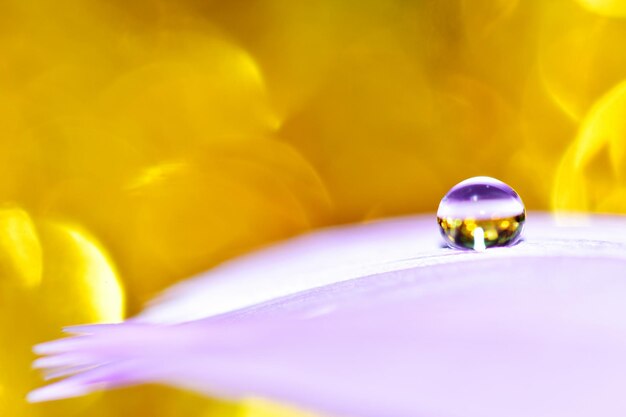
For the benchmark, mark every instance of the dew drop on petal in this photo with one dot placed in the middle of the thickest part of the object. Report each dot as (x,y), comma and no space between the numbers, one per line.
(480,213)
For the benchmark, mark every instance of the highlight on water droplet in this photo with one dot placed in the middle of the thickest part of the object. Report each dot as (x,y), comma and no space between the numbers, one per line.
(480,213)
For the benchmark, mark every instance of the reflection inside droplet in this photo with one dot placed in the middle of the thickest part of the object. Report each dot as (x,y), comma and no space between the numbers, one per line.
(480,213)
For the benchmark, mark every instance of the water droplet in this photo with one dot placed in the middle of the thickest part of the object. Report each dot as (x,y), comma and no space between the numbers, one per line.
(480,213)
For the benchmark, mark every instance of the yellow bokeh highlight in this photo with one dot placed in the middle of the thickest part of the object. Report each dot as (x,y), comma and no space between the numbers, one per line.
(143,142)
(51,275)
(95,285)
(592,173)
(610,8)
(20,250)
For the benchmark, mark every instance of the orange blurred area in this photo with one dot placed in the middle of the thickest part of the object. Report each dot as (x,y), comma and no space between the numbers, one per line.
(143,142)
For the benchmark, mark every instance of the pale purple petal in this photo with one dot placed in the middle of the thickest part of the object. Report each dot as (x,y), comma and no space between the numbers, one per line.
(538,329)
(344,253)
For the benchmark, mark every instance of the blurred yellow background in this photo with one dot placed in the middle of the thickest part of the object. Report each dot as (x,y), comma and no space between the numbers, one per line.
(146,141)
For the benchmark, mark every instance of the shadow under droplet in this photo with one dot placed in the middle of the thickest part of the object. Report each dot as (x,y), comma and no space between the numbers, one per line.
(443,245)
